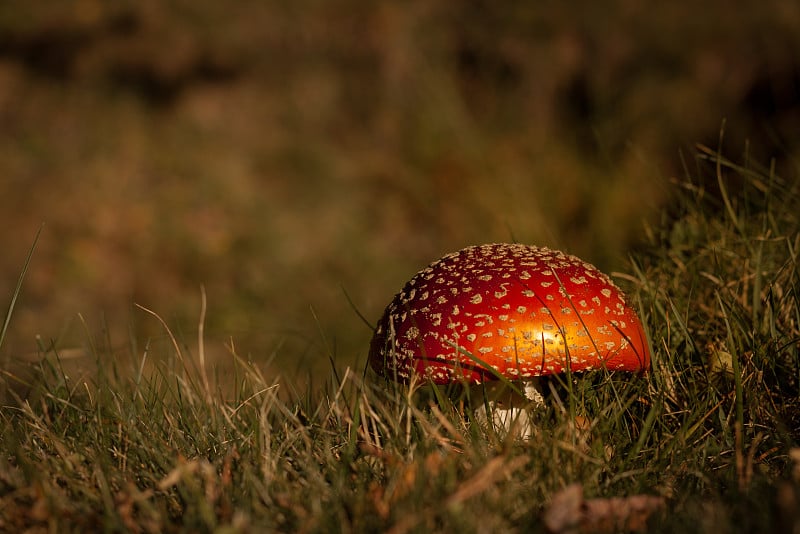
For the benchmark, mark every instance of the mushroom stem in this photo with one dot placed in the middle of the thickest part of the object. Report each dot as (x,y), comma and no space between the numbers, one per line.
(507,409)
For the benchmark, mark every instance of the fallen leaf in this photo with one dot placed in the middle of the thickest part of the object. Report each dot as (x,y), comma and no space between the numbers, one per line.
(570,513)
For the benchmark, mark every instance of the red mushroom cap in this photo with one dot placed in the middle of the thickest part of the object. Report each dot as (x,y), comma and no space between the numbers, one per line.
(524,311)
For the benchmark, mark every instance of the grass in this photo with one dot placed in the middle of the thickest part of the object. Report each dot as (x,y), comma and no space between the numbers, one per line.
(276,151)
(169,446)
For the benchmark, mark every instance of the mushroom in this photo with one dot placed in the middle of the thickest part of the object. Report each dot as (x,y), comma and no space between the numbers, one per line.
(495,315)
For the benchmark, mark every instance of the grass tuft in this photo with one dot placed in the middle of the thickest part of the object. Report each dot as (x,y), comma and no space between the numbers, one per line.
(164,446)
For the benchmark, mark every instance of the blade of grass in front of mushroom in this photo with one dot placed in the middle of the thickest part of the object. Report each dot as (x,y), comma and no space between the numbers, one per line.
(583,323)
(388,355)
(440,397)
(567,366)
(572,404)
(494,372)
(619,399)
(485,366)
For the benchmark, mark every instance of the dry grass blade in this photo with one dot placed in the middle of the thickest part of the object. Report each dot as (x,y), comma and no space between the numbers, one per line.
(495,469)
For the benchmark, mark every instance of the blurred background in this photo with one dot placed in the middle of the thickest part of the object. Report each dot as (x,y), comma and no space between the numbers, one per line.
(285,155)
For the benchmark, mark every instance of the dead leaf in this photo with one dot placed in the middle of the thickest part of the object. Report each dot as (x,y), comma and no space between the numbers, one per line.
(570,513)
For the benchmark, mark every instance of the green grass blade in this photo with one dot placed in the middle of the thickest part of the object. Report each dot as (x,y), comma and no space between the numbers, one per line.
(18,289)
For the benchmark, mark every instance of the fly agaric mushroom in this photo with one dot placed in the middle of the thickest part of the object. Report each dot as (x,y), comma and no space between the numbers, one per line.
(512,311)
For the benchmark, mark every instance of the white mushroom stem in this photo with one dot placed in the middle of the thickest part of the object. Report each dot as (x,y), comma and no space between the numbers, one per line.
(507,409)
